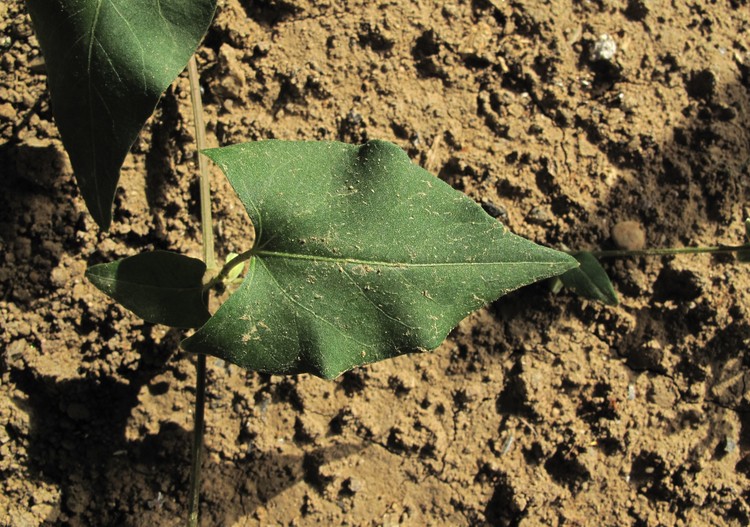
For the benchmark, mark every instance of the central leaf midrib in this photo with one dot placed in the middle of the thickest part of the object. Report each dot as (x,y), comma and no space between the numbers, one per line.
(376,263)
(90,101)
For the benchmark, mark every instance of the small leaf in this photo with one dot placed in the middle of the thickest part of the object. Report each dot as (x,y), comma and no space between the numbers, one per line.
(590,280)
(555,285)
(108,62)
(235,271)
(743,255)
(747,229)
(160,287)
(359,256)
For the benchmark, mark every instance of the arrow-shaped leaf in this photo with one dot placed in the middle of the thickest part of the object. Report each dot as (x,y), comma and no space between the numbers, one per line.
(590,280)
(160,287)
(359,256)
(108,62)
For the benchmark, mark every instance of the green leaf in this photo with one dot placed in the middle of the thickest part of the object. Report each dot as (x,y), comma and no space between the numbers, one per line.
(743,255)
(235,271)
(160,287)
(590,280)
(108,62)
(359,256)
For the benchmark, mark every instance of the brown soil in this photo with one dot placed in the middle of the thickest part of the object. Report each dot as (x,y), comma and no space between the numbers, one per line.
(540,409)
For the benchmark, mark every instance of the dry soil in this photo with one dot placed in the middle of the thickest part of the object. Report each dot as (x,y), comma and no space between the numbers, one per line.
(563,118)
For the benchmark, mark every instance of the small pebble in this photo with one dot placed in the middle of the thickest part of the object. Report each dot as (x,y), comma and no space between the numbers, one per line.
(603,49)
(59,276)
(507,445)
(538,216)
(355,485)
(629,236)
(495,210)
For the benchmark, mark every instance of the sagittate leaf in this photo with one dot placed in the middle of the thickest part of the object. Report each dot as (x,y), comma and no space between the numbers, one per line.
(160,287)
(359,256)
(590,280)
(108,62)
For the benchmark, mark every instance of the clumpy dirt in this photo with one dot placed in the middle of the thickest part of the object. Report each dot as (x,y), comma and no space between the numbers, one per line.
(563,118)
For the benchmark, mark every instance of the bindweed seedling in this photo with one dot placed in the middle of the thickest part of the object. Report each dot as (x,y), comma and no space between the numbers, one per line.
(359,254)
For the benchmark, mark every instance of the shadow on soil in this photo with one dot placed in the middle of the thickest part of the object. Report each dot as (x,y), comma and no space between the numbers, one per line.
(697,183)
(77,442)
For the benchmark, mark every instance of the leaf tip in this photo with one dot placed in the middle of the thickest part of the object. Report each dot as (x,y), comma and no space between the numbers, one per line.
(590,280)
(102,216)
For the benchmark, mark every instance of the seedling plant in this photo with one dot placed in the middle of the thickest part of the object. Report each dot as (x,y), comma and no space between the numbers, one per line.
(359,255)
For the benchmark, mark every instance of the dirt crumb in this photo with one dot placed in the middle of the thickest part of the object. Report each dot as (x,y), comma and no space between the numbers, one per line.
(629,235)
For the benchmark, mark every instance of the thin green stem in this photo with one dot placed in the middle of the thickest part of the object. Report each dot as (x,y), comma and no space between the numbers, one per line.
(210,259)
(669,251)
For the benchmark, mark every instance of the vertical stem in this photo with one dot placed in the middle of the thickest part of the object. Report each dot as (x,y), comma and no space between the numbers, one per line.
(207,229)
(210,259)
(196,450)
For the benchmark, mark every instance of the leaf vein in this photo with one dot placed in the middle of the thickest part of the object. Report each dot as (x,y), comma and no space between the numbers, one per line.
(397,265)
(92,135)
(313,313)
(137,41)
(362,293)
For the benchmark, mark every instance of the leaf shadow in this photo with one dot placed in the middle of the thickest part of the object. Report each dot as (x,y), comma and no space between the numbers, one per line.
(691,184)
(36,217)
(160,177)
(77,442)
(238,488)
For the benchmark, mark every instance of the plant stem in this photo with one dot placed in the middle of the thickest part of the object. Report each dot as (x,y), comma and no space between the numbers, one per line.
(207,229)
(224,272)
(622,253)
(210,259)
(197,446)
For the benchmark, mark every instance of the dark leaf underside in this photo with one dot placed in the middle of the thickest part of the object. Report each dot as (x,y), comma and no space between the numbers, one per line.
(160,287)
(108,62)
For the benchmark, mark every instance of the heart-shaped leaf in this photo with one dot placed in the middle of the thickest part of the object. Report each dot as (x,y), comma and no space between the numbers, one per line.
(108,62)
(590,280)
(359,256)
(160,287)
